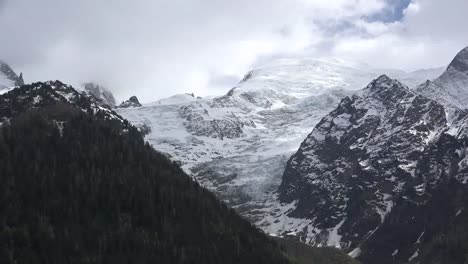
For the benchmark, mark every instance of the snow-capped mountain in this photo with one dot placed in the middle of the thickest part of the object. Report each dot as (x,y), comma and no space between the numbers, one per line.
(102,94)
(238,144)
(347,171)
(8,78)
(374,173)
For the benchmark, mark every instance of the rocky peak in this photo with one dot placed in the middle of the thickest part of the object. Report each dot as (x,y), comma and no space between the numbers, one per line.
(20,80)
(356,159)
(101,93)
(451,88)
(384,82)
(247,77)
(131,102)
(8,77)
(386,89)
(460,62)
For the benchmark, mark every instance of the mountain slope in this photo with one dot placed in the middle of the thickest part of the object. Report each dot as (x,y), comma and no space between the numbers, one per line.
(345,173)
(426,226)
(385,174)
(450,88)
(238,144)
(429,222)
(79,185)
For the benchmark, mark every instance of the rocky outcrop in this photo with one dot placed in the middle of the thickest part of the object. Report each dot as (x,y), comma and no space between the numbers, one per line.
(201,123)
(102,94)
(20,80)
(8,77)
(131,102)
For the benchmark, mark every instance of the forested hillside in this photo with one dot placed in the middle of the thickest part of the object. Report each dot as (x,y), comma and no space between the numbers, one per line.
(77,188)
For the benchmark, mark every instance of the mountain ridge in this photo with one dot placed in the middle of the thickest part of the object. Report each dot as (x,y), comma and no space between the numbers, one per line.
(450,87)
(372,174)
(347,147)
(460,62)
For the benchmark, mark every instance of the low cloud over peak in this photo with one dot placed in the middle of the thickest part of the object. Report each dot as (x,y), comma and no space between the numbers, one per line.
(158,48)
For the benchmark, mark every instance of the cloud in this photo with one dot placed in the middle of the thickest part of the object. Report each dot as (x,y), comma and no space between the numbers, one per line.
(429,34)
(155,48)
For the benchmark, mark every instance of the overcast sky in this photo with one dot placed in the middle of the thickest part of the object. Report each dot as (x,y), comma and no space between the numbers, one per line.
(156,48)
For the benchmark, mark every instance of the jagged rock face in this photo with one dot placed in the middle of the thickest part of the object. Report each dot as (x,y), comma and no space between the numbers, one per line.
(386,174)
(8,78)
(200,123)
(357,158)
(102,94)
(20,80)
(451,88)
(40,94)
(429,221)
(131,102)
(460,62)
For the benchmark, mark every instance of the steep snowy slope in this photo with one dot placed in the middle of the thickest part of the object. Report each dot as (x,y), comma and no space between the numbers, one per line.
(238,144)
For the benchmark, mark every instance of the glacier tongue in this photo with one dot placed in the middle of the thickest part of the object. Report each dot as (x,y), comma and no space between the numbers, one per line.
(238,144)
